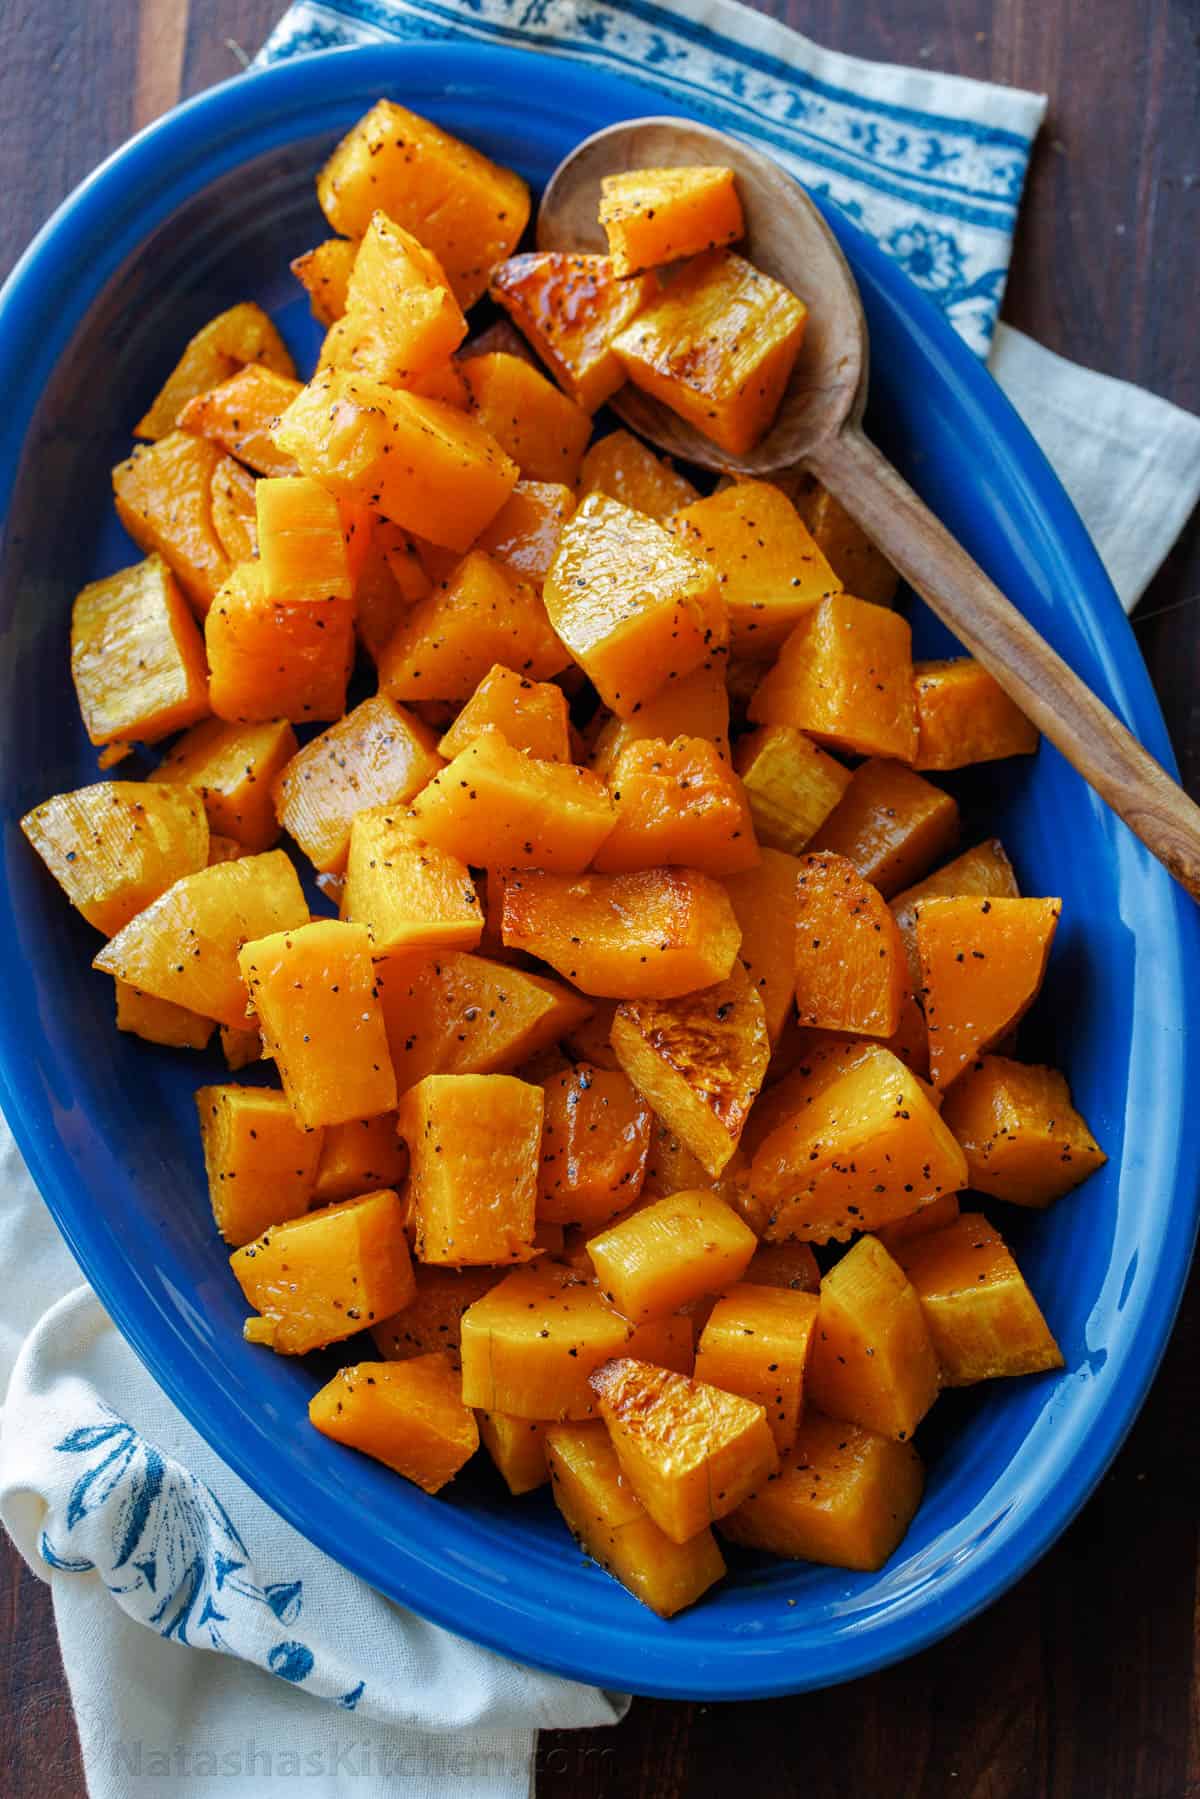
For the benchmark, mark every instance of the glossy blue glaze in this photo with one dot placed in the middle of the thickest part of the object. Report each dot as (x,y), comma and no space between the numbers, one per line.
(203,209)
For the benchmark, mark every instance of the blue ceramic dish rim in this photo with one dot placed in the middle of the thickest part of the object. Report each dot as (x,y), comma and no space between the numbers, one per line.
(41,305)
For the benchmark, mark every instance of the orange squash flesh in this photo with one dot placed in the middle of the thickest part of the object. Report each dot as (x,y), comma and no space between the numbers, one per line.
(652,216)
(184,946)
(234,517)
(984,1321)
(669,1253)
(313,990)
(792,1266)
(137,659)
(872,1361)
(496,807)
(407,1415)
(240,1046)
(982,967)
(588,1042)
(242,336)
(984,870)
(473,1167)
(757,1343)
(849,958)
(621,466)
(932,1217)
(432,1318)
(324,272)
(696,706)
(478,616)
(390,583)
(241,413)
(690,1452)
(261,1164)
(524,534)
(765,901)
(965,716)
(158,1021)
(224,849)
(1023,1139)
(529,1345)
(411,895)
(570,308)
(891,824)
(531,715)
(231,768)
(791,785)
(321,1278)
(843,1497)
(163,497)
(676,803)
(115,847)
(518,1448)
(614,1528)
(270,660)
(543,431)
(360,1156)
(844,676)
(400,318)
(301,541)
(657,934)
(862,569)
(595,1140)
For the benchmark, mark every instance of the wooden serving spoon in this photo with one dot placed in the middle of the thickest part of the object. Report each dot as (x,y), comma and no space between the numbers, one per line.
(819,429)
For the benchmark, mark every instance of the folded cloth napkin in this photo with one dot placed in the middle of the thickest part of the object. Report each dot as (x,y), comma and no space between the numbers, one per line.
(153,1549)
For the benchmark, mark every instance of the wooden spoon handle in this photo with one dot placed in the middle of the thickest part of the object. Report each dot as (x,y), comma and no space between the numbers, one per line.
(1049,692)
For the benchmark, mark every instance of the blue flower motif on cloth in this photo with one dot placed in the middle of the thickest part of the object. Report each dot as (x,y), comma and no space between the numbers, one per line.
(932,258)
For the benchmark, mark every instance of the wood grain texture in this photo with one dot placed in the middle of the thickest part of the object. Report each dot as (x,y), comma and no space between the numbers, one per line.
(1081,1683)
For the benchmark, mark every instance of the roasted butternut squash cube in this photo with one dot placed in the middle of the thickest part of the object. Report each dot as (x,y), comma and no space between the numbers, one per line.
(240,336)
(467,210)
(518,1448)
(400,318)
(984,870)
(669,1253)
(432,1318)
(864,1147)
(261,1164)
(699,1060)
(765,901)
(116,846)
(621,466)
(412,895)
(390,582)
(301,541)
(496,807)
(313,990)
(791,785)
(672,1168)
(588,1042)
(933,1217)
(635,608)
(863,570)
(407,1415)
(543,430)
(677,803)
(982,967)
(851,973)
(529,1345)
(571,307)
(843,1497)
(984,1321)
(473,1144)
(163,497)
(695,707)
(324,273)
(665,1343)
(234,516)
(891,824)
(531,715)
(717,347)
(443,381)
(690,1452)
(241,1045)
(965,716)
(479,616)
(873,1361)
(137,659)
(595,1140)
(184,946)
(652,216)
(613,1527)
(231,768)
(791,1266)
(771,571)
(657,934)
(524,534)
(269,659)
(844,676)
(240,414)
(159,1021)
(360,1156)
(757,1343)
(321,1278)
(1022,1137)
(424,465)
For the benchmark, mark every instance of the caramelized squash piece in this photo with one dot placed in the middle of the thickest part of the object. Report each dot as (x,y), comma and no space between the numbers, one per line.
(324,273)
(518,1448)
(765,901)
(652,216)
(657,934)
(116,846)
(479,616)
(324,1277)
(843,1497)
(676,803)
(411,895)
(873,1361)
(301,541)
(1022,1137)
(531,715)
(524,534)
(695,707)
(407,1415)
(400,318)
(757,1343)
(390,583)
(932,1217)
(791,1266)
(261,1164)
(595,1140)
(473,1167)
(965,716)
(496,807)
(844,676)
(467,210)
(163,497)
(717,347)
(621,466)
(862,569)
(359,1156)
(529,1345)
(240,1046)
(672,1168)
(137,659)
(231,768)
(432,1318)
(242,336)
(159,1021)
(543,431)
(241,413)
(571,307)
(690,1452)
(850,967)
(984,870)
(984,1321)
(891,824)
(234,517)
(670,1252)
(982,967)
(635,608)
(588,1042)
(272,660)
(313,990)
(791,785)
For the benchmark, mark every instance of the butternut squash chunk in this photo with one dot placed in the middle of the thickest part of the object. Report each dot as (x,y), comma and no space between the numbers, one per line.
(862,569)
(849,959)
(635,608)
(479,616)
(158,1021)
(411,895)
(844,676)
(234,517)
(231,768)
(621,466)
(657,934)
(223,849)
(690,1452)
(984,1321)
(269,659)
(791,1266)
(467,210)
(529,1345)
(672,1168)
(982,967)
(588,1042)
(717,347)
(1022,1137)
(241,413)
(524,534)
(116,846)
(765,901)
(473,1167)
(432,1318)
(571,307)
(873,1361)
(615,1530)
(137,659)
(390,583)
(669,1253)
(595,1140)
(676,803)
(400,318)
(324,273)
(421,463)
(984,871)
(184,946)
(163,497)
(240,1046)
(791,785)
(301,541)
(652,216)
(518,1448)
(240,336)
(496,807)
(843,1497)
(531,715)
(699,1060)
(322,1278)
(965,716)
(695,707)
(360,1156)
(932,1217)
(261,1165)
(891,824)
(771,571)
(664,1343)
(407,1415)
(543,431)
(757,1343)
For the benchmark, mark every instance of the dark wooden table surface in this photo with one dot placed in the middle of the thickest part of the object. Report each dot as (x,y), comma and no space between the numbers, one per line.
(1081,1683)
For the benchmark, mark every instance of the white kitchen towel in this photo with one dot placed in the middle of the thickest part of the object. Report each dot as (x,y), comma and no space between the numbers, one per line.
(154,1550)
